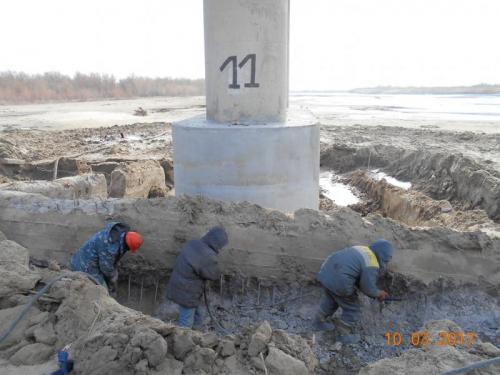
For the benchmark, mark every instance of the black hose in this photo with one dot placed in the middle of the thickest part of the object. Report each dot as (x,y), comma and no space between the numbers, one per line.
(35,298)
(473,366)
(215,321)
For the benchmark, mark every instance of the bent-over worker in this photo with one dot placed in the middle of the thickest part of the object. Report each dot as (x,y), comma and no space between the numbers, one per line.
(342,274)
(99,256)
(196,263)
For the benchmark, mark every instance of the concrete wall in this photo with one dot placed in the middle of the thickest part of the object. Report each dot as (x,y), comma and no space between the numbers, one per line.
(263,243)
(274,165)
(239,29)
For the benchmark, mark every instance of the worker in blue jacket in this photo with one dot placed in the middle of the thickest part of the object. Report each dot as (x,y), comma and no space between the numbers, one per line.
(196,263)
(345,272)
(99,256)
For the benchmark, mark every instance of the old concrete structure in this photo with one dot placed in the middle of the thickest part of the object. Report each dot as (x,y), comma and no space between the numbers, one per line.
(248,147)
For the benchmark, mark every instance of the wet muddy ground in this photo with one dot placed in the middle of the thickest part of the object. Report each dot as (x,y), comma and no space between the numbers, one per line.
(291,307)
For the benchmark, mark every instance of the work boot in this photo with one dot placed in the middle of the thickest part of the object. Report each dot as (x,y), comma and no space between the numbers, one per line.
(345,332)
(320,323)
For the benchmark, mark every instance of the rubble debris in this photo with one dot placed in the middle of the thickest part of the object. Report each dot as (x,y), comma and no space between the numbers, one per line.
(260,339)
(78,187)
(140,112)
(135,180)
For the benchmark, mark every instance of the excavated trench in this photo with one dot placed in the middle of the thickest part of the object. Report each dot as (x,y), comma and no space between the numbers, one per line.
(237,303)
(450,191)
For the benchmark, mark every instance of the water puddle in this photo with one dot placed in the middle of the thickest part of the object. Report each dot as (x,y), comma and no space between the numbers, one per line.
(376,174)
(341,194)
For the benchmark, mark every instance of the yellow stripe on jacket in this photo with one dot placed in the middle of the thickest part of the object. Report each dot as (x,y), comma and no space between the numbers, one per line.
(368,255)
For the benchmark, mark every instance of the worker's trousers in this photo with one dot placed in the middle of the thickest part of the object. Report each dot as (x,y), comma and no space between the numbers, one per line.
(351,306)
(190,317)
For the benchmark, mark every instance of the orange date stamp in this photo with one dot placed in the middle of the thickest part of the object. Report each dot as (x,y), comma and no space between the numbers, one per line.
(423,339)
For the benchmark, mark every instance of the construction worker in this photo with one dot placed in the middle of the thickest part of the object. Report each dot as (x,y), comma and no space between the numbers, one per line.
(342,274)
(99,256)
(196,263)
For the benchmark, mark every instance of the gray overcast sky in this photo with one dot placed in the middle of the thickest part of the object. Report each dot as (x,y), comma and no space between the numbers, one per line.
(335,44)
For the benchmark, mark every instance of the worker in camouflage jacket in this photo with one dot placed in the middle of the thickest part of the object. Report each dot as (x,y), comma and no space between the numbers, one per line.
(344,273)
(99,256)
(196,263)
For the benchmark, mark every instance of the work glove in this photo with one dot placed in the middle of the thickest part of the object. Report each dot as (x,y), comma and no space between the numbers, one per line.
(382,295)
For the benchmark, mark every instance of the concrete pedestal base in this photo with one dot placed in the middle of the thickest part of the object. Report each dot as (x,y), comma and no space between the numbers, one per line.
(274,165)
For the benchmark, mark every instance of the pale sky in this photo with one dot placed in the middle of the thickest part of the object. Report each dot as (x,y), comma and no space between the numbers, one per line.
(334,44)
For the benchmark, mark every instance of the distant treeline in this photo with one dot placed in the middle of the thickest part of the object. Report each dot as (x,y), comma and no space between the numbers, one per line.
(26,88)
(482,89)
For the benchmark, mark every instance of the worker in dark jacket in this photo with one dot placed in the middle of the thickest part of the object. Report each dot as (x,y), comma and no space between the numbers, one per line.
(342,274)
(196,263)
(99,256)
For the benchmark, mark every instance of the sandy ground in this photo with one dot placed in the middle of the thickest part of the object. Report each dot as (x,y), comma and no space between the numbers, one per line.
(460,113)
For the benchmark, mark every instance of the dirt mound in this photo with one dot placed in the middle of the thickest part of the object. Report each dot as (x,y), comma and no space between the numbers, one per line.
(433,358)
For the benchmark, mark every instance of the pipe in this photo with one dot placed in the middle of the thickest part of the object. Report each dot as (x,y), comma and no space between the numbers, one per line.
(473,366)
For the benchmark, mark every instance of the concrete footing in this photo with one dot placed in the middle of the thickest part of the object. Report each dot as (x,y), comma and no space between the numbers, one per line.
(275,165)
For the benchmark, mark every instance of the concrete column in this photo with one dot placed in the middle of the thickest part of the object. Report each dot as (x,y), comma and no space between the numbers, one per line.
(248,148)
(246,60)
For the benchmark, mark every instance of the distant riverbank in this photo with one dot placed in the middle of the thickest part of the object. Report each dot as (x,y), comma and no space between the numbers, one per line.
(482,89)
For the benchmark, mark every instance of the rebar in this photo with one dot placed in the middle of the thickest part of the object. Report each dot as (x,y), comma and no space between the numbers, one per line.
(140,296)
(157,282)
(129,280)
(258,292)
(220,286)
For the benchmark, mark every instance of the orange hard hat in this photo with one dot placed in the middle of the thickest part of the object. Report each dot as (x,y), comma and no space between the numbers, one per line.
(133,240)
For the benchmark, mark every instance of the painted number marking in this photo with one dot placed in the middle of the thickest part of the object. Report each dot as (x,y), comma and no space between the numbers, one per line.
(234,61)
